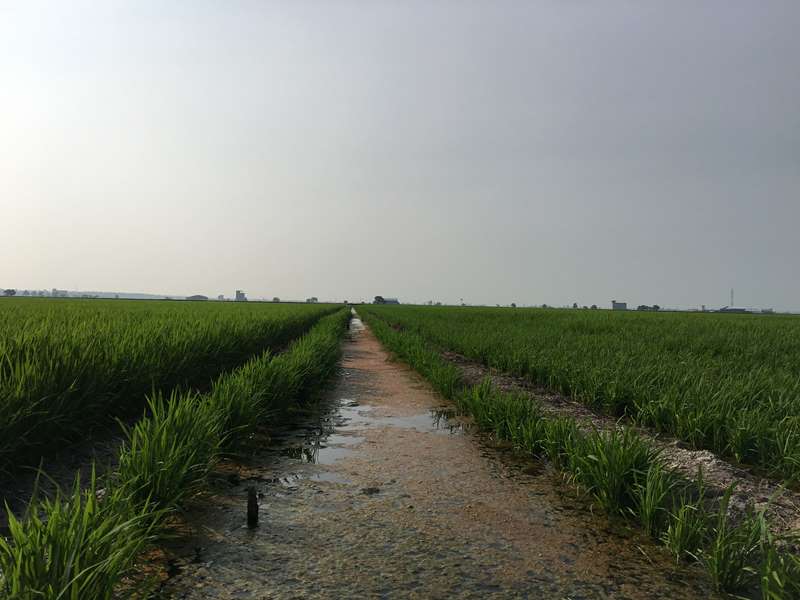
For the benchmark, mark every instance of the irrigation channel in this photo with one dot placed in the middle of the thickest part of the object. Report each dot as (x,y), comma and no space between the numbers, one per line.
(382,492)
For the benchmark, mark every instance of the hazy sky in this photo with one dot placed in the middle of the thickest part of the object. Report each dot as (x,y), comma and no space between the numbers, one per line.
(542,151)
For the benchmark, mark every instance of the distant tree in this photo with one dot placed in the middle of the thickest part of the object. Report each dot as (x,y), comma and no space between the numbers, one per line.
(9,292)
(656,307)
(513,305)
(276,299)
(585,307)
(574,305)
(594,306)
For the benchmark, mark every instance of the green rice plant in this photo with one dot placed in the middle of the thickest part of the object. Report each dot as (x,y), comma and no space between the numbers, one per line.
(779,570)
(721,382)
(167,455)
(79,547)
(688,524)
(732,553)
(686,531)
(652,497)
(478,401)
(561,438)
(610,466)
(532,432)
(75,546)
(69,365)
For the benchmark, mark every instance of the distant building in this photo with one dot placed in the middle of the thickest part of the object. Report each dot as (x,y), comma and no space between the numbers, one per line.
(197,297)
(619,305)
(58,293)
(221,297)
(655,307)
(241,296)
(382,300)
(732,309)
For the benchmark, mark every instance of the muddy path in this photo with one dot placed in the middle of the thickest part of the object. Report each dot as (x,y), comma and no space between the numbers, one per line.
(383,493)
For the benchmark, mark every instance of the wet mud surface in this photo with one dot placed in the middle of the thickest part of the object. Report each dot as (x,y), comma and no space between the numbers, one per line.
(384,493)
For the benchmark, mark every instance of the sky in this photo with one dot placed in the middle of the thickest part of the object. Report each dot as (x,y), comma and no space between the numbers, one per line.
(532,152)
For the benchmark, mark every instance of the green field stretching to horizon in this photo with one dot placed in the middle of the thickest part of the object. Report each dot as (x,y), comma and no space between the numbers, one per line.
(66,365)
(728,383)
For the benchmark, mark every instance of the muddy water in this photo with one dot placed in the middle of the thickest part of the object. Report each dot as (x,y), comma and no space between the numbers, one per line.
(383,493)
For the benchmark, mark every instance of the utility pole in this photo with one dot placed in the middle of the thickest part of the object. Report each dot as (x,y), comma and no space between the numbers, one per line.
(731,297)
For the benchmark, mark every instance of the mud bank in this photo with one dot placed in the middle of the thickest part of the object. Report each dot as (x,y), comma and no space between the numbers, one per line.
(383,493)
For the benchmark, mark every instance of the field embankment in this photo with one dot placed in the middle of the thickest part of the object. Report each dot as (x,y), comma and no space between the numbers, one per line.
(85,544)
(69,365)
(621,471)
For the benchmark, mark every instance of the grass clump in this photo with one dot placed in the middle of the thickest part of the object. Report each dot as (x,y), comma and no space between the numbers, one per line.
(688,522)
(74,546)
(167,455)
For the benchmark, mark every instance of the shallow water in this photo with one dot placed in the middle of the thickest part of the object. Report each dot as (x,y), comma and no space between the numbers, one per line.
(383,492)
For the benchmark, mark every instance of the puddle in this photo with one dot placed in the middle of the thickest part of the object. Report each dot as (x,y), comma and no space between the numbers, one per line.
(384,492)
(319,455)
(331,478)
(363,416)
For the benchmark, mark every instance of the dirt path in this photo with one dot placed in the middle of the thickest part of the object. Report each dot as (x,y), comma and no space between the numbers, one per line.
(384,494)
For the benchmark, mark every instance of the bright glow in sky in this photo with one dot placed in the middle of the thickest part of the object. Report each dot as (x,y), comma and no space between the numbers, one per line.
(542,151)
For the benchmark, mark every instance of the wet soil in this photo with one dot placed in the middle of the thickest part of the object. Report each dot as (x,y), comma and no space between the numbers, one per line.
(383,492)
(751,489)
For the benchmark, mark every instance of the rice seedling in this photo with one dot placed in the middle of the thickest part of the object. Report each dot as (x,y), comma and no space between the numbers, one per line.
(75,546)
(167,454)
(611,467)
(779,571)
(652,497)
(731,554)
(68,365)
(720,382)
(688,521)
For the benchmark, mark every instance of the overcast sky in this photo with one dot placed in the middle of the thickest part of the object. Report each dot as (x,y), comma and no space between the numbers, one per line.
(536,152)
